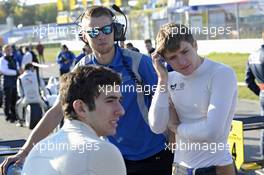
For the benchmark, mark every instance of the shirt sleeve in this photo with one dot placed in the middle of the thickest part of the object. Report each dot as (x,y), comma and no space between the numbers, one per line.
(4,68)
(58,58)
(43,87)
(223,90)
(159,112)
(19,89)
(250,80)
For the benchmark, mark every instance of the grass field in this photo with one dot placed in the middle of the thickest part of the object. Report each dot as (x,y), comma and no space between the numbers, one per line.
(236,60)
(51,54)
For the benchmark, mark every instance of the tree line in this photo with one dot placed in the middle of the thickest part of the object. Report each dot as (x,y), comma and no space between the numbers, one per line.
(28,15)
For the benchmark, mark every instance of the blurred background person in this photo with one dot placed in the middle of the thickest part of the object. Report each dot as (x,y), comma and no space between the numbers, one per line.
(40,50)
(27,58)
(149,46)
(17,55)
(1,53)
(131,47)
(29,88)
(65,60)
(86,50)
(9,68)
(255,81)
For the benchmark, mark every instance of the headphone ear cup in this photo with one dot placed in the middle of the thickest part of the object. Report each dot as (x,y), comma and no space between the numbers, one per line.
(118,31)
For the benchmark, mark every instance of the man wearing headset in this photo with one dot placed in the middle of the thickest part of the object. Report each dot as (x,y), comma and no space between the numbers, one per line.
(144,152)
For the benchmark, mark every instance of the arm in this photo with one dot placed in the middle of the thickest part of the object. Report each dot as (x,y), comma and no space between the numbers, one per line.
(19,89)
(42,86)
(45,126)
(223,90)
(173,119)
(159,110)
(250,80)
(58,58)
(5,70)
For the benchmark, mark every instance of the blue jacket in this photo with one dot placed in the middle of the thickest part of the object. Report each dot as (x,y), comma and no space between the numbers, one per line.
(17,55)
(134,138)
(79,57)
(65,59)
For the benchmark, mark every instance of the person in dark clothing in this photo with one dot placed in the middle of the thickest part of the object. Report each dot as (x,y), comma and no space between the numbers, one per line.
(255,81)
(17,55)
(40,49)
(1,54)
(131,47)
(149,47)
(65,59)
(9,68)
(20,49)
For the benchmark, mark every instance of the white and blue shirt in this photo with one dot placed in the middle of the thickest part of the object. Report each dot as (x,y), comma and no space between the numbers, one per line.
(134,137)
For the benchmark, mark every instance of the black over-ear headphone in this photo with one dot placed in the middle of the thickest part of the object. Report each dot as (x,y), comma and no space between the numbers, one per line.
(119,29)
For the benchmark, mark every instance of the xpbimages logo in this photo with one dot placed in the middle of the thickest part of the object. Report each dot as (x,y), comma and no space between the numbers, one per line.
(211,31)
(46,30)
(130,88)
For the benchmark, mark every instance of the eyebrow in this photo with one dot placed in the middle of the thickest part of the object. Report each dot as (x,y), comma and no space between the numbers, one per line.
(112,97)
(181,51)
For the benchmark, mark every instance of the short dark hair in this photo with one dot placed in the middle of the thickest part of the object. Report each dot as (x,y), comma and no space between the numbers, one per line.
(29,66)
(98,11)
(147,41)
(170,36)
(64,47)
(83,83)
(129,45)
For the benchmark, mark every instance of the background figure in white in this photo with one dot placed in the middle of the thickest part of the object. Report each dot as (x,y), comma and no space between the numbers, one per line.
(29,88)
(27,58)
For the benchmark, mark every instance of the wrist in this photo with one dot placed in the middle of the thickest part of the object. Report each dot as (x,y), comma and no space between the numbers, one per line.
(162,86)
(23,153)
(176,127)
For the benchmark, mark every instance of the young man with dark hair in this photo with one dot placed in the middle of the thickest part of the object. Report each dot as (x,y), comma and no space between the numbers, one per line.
(201,96)
(144,151)
(91,107)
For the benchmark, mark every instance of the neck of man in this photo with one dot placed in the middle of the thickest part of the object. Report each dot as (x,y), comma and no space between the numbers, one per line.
(105,58)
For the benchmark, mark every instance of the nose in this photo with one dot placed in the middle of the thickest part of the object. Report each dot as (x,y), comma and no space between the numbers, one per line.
(182,61)
(101,35)
(119,110)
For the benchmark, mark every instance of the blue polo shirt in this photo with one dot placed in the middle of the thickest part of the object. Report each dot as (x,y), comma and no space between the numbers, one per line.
(133,137)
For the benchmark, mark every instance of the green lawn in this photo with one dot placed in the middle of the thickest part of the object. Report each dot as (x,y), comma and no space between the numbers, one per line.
(236,60)
(50,54)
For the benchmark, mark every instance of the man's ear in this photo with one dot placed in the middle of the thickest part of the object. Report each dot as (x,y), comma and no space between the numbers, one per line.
(195,46)
(79,108)
(85,39)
